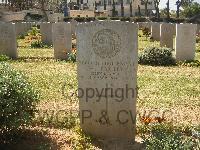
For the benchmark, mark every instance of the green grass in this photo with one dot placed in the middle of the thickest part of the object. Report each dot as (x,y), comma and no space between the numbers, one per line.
(161,88)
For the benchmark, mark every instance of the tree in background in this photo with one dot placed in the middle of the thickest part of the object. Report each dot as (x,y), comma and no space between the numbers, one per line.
(131,9)
(95,5)
(168,10)
(122,8)
(113,9)
(139,11)
(145,3)
(182,3)
(191,10)
(178,5)
(104,4)
(156,4)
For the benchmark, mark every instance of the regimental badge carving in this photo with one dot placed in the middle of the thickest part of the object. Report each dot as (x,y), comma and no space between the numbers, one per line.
(106,43)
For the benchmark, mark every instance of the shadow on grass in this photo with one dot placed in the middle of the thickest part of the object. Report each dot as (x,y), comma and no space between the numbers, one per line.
(27,140)
(34,59)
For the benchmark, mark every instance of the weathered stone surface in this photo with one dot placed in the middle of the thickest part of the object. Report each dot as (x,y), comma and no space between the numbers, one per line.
(20,28)
(185,41)
(62,40)
(107,76)
(8,43)
(166,35)
(198,29)
(155,31)
(46,32)
(174,28)
(73,26)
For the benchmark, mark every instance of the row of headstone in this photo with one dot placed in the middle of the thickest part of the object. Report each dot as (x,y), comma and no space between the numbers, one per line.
(184,42)
(185,37)
(61,38)
(107,58)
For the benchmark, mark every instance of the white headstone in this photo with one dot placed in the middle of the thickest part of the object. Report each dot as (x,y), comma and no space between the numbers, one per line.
(166,35)
(62,40)
(46,32)
(185,41)
(8,43)
(107,78)
(155,31)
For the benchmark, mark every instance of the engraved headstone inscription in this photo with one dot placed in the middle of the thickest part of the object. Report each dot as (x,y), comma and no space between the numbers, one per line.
(107,75)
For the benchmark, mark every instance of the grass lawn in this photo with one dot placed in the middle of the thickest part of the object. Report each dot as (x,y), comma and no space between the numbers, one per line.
(174,90)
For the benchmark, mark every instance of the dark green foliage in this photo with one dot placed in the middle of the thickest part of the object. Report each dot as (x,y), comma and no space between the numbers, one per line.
(125,19)
(191,10)
(156,56)
(198,39)
(190,63)
(155,19)
(17,99)
(21,36)
(88,19)
(167,139)
(34,16)
(37,44)
(139,19)
(80,19)
(72,57)
(4,58)
(102,18)
(146,32)
(114,18)
(67,19)
(34,31)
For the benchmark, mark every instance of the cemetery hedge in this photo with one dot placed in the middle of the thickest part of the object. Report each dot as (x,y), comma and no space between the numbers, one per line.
(80,19)
(17,99)
(88,19)
(157,56)
(102,18)
(134,19)
(67,19)
(114,18)
(125,19)
(168,137)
